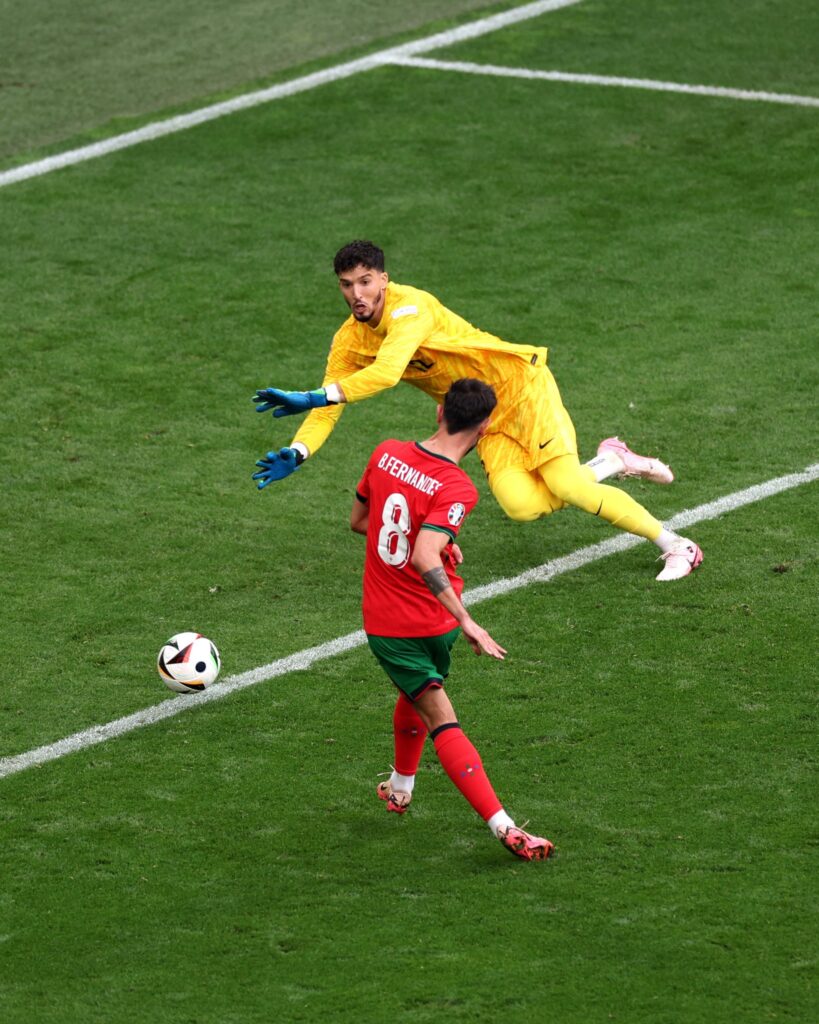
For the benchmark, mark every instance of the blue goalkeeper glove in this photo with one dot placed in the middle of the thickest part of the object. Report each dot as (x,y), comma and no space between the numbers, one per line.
(286,403)
(277,465)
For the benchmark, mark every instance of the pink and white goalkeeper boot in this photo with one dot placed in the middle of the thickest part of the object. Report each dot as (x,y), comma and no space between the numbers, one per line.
(684,557)
(636,465)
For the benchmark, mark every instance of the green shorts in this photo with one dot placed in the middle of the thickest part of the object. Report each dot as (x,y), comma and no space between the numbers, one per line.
(414,664)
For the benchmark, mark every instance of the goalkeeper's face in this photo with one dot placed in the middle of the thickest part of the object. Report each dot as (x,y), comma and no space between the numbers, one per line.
(363,289)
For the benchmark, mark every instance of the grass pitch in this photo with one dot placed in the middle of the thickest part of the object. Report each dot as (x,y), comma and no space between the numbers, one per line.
(232,864)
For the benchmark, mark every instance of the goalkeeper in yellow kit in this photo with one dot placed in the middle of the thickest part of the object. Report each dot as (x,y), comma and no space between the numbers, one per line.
(529,452)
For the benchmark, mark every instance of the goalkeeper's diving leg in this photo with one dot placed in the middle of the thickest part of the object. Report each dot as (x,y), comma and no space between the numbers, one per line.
(527,495)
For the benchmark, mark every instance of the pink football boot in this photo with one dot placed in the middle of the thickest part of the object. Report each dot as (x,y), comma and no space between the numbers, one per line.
(683,558)
(522,845)
(636,465)
(397,800)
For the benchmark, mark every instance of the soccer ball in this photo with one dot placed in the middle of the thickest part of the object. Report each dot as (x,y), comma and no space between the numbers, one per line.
(188,662)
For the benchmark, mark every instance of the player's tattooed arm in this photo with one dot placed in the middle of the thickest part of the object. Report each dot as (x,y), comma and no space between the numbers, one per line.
(436,579)
(426,560)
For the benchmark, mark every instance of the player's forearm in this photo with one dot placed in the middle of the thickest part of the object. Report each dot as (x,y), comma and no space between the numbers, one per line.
(366,383)
(316,428)
(381,375)
(440,586)
(404,337)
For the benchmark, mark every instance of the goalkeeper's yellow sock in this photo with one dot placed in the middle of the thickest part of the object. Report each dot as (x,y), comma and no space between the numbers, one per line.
(576,485)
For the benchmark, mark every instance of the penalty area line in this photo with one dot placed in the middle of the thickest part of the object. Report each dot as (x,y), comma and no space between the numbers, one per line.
(498,71)
(304,659)
(381,58)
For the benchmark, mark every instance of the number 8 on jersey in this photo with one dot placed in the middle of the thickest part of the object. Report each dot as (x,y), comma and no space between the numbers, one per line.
(393,540)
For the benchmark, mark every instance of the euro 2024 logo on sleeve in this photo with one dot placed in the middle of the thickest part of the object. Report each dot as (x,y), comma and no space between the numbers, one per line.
(456,514)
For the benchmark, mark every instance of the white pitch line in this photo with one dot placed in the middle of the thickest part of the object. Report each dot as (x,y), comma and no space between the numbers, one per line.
(304,659)
(495,70)
(157,129)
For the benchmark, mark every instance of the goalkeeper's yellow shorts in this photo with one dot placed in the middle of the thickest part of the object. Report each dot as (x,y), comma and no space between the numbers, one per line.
(530,426)
(521,492)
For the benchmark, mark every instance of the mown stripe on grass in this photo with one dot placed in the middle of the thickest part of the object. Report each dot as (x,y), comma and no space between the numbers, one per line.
(171,125)
(304,659)
(495,70)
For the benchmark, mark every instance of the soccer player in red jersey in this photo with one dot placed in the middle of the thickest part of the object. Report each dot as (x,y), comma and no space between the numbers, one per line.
(410,504)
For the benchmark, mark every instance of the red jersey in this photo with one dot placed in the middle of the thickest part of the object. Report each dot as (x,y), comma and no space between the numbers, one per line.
(406,488)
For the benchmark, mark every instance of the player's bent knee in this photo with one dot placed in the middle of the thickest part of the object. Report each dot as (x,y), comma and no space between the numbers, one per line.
(435,708)
(577,498)
(571,488)
(520,513)
(523,497)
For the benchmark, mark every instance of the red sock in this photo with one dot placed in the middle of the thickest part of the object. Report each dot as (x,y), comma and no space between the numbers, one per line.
(462,764)
(409,732)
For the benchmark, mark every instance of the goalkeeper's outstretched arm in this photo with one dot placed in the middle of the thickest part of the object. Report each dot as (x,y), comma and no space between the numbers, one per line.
(344,382)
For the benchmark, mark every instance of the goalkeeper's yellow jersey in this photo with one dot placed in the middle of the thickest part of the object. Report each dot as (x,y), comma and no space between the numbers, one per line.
(422,342)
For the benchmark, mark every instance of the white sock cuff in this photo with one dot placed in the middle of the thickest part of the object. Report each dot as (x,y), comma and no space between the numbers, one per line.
(499,819)
(666,540)
(605,465)
(404,783)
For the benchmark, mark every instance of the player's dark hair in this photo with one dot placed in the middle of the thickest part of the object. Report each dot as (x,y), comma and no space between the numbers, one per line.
(358,254)
(467,404)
